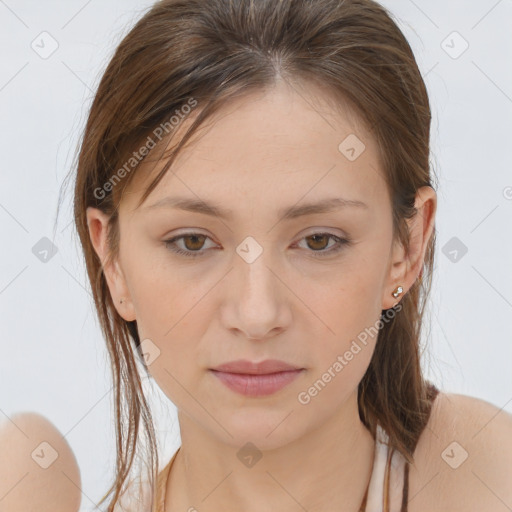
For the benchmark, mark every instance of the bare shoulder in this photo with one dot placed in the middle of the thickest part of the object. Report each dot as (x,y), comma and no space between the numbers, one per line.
(38,470)
(463,460)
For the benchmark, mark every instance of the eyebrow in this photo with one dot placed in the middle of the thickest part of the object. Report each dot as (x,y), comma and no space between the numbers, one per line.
(292,212)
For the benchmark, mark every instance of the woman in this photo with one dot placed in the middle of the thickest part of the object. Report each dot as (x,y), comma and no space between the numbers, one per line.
(270,268)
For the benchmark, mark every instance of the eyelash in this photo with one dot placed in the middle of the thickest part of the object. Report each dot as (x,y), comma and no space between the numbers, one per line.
(341,243)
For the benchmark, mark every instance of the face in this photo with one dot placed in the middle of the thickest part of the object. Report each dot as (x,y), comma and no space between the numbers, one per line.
(252,283)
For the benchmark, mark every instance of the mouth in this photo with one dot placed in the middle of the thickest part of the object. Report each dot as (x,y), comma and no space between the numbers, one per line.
(256,379)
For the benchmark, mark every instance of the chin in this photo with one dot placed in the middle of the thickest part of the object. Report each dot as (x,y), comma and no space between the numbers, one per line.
(265,427)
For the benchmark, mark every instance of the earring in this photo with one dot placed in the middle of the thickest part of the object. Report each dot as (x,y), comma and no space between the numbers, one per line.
(397,291)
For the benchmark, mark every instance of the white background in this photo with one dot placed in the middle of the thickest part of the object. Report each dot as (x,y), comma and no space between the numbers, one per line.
(54,359)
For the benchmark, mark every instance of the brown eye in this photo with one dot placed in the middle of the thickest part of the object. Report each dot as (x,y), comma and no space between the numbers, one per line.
(320,241)
(194,242)
(318,244)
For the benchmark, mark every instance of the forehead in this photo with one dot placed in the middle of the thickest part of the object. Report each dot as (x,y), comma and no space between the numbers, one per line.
(271,148)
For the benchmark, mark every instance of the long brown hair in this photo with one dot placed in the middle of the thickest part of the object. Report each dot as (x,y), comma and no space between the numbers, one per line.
(204,53)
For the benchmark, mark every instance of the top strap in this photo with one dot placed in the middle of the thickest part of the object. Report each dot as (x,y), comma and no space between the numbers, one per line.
(387,481)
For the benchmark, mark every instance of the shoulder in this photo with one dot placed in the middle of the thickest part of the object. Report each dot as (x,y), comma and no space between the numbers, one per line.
(38,469)
(463,460)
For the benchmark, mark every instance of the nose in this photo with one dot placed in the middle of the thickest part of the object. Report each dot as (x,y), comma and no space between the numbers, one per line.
(257,307)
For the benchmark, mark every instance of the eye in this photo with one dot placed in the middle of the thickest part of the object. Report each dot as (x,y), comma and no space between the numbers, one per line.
(318,241)
(195,241)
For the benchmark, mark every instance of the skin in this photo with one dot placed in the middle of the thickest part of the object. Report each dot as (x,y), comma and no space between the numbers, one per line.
(35,476)
(286,304)
(482,481)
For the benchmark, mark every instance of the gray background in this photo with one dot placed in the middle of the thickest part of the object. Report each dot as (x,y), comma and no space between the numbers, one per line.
(53,355)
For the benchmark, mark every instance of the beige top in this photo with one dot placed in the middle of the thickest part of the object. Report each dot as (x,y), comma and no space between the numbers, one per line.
(387,489)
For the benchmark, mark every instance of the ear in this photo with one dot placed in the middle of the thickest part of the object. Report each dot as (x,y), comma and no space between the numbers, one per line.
(405,267)
(97,222)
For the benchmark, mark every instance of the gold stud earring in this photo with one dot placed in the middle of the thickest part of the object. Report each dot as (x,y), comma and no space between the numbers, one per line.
(397,291)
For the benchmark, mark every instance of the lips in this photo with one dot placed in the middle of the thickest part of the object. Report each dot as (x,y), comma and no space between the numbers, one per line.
(256,379)
(254,368)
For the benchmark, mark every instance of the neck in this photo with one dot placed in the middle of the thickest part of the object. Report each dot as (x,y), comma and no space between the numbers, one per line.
(325,469)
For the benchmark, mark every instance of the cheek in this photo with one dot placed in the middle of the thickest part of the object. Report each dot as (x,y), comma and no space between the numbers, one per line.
(342,353)
(166,303)
(346,354)
(164,294)
(170,307)
(345,304)
(347,310)
(168,329)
